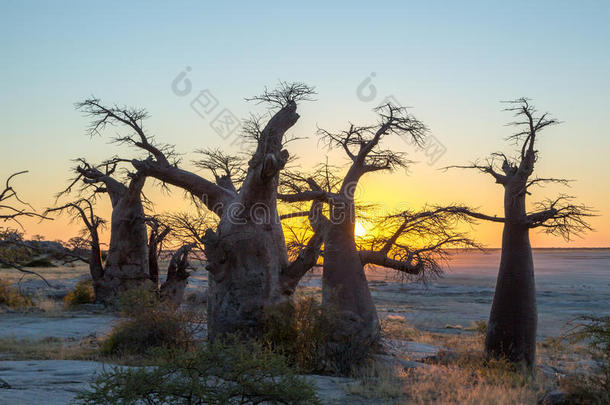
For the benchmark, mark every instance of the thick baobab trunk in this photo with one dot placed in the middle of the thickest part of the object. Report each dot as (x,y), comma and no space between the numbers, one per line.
(247,253)
(511,333)
(126,266)
(246,256)
(346,293)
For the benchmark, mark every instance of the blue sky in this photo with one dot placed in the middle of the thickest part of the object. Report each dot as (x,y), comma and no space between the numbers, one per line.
(452,61)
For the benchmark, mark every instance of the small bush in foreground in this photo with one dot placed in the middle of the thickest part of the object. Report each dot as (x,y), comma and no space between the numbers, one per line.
(12,297)
(299,330)
(146,330)
(217,374)
(137,300)
(592,388)
(82,294)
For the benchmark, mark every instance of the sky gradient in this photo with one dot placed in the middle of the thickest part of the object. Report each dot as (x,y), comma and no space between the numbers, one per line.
(452,62)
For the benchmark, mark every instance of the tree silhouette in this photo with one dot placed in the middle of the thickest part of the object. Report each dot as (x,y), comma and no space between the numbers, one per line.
(512,325)
(246,254)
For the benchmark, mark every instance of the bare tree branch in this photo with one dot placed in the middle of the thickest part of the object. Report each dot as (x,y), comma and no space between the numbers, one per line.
(361,143)
(10,213)
(560,217)
(284,94)
(416,243)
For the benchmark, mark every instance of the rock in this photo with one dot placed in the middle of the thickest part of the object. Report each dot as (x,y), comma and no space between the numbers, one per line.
(551,371)
(408,349)
(555,397)
(398,362)
(33,326)
(4,385)
(46,381)
(331,390)
(57,293)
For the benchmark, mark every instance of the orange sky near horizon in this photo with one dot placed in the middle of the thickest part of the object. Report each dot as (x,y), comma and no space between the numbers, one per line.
(390,192)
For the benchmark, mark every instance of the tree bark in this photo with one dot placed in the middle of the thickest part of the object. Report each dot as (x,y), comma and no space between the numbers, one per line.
(511,332)
(345,291)
(247,253)
(127,264)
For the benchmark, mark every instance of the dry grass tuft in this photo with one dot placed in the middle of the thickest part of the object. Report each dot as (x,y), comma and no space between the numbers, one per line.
(12,297)
(461,375)
(49,348)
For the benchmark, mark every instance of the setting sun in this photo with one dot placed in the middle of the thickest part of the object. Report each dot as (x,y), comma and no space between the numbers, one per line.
(359,230)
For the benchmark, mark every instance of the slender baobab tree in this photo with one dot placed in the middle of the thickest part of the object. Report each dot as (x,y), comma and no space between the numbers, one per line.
(246,254)
(126,266)
(171,226)
(172,289)
(156,236)
(83,210)
(345,287)
(511,332)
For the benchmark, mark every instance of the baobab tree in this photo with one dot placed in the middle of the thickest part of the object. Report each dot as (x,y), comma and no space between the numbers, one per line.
(83,210)
(344,284)
(172,289)
(171,226)
(156,236)
(126,266)
(246,254)
(511,331)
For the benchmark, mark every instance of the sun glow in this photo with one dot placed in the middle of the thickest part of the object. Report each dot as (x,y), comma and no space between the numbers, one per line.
(359,230)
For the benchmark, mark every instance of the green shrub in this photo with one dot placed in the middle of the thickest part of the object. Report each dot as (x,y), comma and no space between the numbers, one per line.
(217,374)
(592,388)
(300,330)
(82,294)
(156,327)
(136,300)
(13,298)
